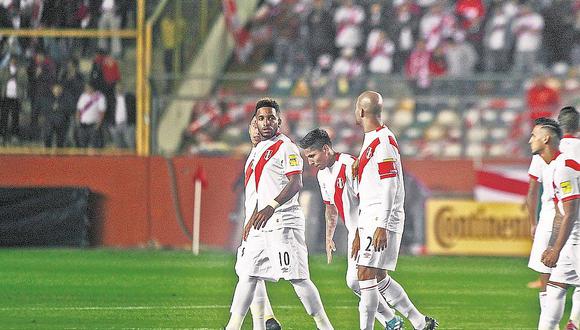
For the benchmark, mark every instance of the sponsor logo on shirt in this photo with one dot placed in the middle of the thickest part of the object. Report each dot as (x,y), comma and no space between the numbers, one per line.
(566,187)
(293,160)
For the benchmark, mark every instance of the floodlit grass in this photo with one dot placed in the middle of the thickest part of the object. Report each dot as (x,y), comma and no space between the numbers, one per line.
(48,289)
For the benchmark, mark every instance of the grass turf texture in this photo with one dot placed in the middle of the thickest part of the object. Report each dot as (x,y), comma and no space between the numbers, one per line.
(46,289)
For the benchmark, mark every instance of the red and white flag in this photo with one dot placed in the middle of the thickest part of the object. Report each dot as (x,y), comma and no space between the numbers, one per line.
(501,184)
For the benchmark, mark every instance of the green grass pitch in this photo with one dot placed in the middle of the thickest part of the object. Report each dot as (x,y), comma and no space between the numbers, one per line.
(113,289)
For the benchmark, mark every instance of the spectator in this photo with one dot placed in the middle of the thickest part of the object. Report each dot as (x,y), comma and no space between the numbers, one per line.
(376,19)
(89,117)
(13,80)
(72,79)
(172,32)
(559,31)
(348,64)
(41,76)
(461,57)
(320,32)
(527,28)
(348,19)
(380,51)
(404,31)
(105,74)
(542,99)
(417,67)
(471,15)
(123,131)
(58,108)
(496,41)
(110,20)
(436,25)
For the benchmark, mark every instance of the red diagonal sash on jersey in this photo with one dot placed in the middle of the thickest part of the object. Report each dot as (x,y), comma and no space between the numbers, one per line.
(248,174)
(572,164)
(338,189)
(87,105)
(366,156)
(266,156)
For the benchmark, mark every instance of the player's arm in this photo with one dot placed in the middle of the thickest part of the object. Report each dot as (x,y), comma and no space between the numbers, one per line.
(331,216)
(386,159)
(532,204)
(550,257)
(293,186)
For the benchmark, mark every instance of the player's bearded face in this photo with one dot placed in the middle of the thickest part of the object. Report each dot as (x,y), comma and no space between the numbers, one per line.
(268,122)
(537,140)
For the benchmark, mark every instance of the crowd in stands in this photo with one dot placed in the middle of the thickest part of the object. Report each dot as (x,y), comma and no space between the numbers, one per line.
(46,97)
(420,39)
(462,78)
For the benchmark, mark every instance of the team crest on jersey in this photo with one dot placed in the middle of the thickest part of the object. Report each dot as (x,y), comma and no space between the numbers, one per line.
(293,160)
(340,183)
(268,154)
(369,152)
(566,187)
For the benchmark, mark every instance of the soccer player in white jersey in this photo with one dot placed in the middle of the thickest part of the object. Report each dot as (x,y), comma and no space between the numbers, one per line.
(564,254)
(261,309)
(277,170)
(381,218)
(541,172)
(339,192)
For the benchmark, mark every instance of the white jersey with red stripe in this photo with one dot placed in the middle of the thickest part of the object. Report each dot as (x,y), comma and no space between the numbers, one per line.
(380,176)
(250,194)
(567,186)
(273,163)
(339,188)
(542,172)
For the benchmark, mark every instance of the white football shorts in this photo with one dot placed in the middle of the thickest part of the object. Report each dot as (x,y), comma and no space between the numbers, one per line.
(567,269)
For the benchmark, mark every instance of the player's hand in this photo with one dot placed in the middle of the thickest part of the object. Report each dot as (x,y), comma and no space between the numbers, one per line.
(330,247)
(380,239)
(261,218)
(533,231)
(550,257)
(355,169)
(355,246)
(247,229)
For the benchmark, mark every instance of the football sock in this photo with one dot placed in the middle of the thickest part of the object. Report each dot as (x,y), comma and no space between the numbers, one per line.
(384,312)
(542,296)
(257,306)
(241,302)
(575,313)
(310,298)
(268,312)
(369,302)
(553,308)
(396,296)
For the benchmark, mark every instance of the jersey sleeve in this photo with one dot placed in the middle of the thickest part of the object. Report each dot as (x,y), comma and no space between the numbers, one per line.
(567,180)
(324,190)
(535,170)
(386,157)
(292,161)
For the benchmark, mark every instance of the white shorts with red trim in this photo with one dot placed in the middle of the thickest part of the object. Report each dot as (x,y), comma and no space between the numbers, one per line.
(541,242)
(567,269)
(367,256)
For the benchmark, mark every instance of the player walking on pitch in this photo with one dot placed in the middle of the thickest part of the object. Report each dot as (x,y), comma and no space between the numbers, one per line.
(261,309)
(339,193)
(381,218)
(541,172)
(277,169)
(564,254)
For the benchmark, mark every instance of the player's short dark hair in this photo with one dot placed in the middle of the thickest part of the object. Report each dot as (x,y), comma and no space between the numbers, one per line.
(551,125)
(267,103)
(568,119)
(315,139)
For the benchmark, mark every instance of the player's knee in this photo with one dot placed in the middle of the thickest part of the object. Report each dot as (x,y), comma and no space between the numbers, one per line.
(352,283)
(366,273)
